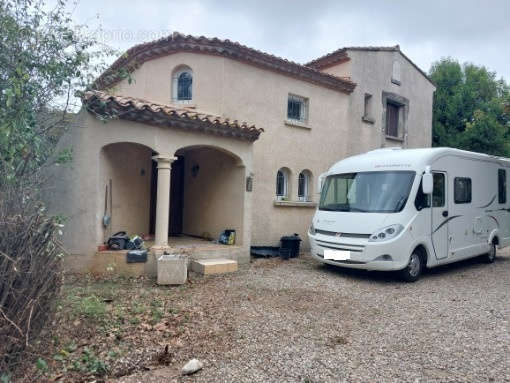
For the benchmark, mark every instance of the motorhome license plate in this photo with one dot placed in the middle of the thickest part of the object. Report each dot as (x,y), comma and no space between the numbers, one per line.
(337,255)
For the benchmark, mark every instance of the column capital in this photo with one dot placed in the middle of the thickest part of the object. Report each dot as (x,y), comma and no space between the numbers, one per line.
(164,160)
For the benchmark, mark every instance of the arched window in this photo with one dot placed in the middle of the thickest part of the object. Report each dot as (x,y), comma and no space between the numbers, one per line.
(282,182)
(304,187)
(182,85)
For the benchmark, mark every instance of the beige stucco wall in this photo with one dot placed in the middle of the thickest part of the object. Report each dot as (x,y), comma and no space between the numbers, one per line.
(233,89)
(79,189)
(128,166)
(213,198)
(334,131)
(372,71)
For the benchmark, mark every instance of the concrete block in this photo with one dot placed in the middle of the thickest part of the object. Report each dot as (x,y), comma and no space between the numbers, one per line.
(172,269)
(213,266)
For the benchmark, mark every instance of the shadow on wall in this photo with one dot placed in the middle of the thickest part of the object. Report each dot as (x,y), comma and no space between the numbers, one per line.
(128,166)
(213,192)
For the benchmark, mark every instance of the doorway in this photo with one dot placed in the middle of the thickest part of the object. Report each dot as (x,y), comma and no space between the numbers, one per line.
(440,215)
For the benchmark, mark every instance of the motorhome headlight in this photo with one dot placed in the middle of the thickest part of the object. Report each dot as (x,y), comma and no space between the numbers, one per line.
(386,233)
(312,229)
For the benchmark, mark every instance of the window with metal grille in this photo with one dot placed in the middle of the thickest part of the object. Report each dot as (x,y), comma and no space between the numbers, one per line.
(281,183)
(392,115)
(462,190)
(501,185)
(184,83)
(297,108)
(303,186)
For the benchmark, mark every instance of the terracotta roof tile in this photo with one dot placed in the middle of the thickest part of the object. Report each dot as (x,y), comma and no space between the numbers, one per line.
(329,59)
(134,109)
(177,42)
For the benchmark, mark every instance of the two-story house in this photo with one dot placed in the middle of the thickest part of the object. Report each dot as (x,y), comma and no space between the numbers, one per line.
(185,137)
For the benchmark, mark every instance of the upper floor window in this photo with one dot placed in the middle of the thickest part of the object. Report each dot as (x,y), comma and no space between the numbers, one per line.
(304,185)
(182,85)
(297,108)
(392,119)
(367,111)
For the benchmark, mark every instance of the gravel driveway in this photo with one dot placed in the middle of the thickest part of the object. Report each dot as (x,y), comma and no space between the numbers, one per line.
(299,321)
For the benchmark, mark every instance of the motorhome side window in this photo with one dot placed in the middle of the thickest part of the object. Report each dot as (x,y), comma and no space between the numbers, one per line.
(501,185)
(438,195)
(462,190)
(422,201)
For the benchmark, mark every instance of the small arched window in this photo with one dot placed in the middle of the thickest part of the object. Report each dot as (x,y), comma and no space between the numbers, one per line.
(304,180)
(182,85)
(282,189)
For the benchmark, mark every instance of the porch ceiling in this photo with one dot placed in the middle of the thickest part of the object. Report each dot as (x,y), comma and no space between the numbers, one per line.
(108,106)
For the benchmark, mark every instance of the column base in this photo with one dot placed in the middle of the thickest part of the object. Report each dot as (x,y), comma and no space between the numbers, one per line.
(158,251)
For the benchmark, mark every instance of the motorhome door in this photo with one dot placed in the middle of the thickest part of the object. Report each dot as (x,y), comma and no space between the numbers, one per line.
(440,215)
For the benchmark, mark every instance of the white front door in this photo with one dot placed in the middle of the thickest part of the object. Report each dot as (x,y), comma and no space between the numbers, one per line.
(440,215)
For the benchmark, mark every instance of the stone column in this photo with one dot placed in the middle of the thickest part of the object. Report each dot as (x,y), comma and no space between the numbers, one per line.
(163,199)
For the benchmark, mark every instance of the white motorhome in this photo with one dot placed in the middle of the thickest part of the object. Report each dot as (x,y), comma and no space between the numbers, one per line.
(395,209)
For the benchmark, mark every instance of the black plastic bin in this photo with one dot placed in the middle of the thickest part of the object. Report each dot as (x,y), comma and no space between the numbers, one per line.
(291,242)
(285,253)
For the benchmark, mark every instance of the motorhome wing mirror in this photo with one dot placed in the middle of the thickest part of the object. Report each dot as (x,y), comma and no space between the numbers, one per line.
(320,182)
(427,184)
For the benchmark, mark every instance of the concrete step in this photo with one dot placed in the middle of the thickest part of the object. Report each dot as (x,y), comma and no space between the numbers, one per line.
(213,266)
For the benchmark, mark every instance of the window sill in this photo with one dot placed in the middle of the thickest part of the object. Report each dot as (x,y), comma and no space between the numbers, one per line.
(368,120)
(392,138)
(307,204)
(297,124)
(396,82)
(184,104)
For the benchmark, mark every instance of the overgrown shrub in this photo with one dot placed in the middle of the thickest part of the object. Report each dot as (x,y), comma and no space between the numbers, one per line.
(30,277)
(44,59)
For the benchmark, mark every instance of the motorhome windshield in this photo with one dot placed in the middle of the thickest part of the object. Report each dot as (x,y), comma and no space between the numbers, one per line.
(367,192)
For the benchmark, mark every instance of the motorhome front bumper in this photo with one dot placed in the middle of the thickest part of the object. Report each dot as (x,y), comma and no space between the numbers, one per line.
(384,256)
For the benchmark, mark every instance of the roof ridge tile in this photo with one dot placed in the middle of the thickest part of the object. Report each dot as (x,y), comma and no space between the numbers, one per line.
(141,53)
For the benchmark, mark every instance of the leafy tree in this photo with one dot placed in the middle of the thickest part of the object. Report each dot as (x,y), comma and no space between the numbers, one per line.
(471,108)
(44,58)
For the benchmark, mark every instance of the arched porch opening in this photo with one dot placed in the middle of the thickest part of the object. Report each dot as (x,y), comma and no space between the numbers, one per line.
(207,185)
(207,191)
(125,187)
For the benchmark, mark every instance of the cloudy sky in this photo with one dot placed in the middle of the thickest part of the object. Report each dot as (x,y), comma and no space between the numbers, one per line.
(474,31)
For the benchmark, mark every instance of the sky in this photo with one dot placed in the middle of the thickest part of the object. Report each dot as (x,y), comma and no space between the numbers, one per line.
(467,30)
